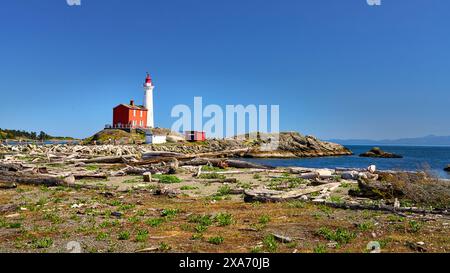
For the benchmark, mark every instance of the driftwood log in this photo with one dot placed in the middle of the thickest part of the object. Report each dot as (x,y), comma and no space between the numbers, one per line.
(249,171)
(228,153)
(8,208)
(384,208)
(12,167)
(129,170)
(8,185)
(310,175)
(35,179)
(105,159)
(80,176)
(21,178)
(154,161)
(188,161)
(282,238)
(262,195)
(216,162)
(92,187)
(155,154)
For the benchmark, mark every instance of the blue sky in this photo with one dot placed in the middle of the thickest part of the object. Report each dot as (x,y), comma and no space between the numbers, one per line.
(338,69)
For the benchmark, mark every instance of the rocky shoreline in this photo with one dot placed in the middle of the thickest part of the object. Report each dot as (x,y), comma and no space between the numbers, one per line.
(289,145)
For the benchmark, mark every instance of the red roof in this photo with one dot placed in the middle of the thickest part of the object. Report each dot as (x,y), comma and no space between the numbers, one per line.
(133,107)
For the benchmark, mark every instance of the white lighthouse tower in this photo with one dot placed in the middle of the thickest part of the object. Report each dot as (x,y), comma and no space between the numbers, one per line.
(148,100)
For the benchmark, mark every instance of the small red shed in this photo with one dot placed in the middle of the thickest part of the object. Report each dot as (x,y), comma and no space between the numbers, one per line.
(195,136)
(129,116)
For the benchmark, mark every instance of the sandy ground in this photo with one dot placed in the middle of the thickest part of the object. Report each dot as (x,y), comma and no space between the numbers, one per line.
(205,217)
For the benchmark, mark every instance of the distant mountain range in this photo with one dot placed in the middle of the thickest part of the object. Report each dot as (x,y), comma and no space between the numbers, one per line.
(430,140)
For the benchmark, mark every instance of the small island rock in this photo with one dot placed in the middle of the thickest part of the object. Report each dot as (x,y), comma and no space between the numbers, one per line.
(378,153)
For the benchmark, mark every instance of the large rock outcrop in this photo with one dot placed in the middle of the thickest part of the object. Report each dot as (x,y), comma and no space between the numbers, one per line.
(293,144)
(284,145)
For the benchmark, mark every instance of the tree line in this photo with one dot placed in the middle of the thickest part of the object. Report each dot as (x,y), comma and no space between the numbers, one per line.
(21,134)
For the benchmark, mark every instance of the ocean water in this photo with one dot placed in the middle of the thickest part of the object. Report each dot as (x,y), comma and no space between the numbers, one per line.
(414,158)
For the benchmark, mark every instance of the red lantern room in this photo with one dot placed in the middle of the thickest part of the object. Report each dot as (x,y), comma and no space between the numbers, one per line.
(148,80)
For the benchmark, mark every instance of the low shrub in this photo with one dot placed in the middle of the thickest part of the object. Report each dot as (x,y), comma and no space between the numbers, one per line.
(167,178)
(216,240)
(340,235)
